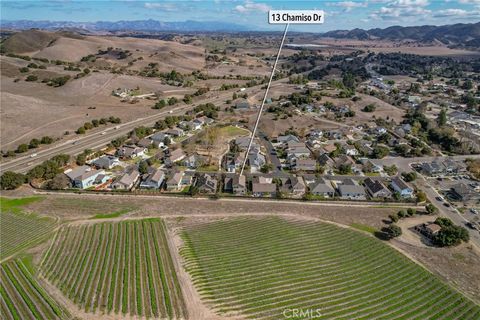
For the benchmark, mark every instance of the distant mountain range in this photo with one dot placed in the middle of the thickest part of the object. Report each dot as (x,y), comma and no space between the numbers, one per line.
(455,34)
(137,25)
(465,35)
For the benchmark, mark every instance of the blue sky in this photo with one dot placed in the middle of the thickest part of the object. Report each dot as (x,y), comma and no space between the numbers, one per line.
(338,14)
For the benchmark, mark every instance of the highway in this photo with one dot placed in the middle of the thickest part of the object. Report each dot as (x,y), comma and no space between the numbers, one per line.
(100,138)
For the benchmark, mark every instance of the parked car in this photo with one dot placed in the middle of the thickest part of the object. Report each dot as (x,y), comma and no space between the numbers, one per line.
(474,211)
(439,199)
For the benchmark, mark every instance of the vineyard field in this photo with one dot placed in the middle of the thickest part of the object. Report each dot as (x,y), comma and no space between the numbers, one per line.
(121,268)
(266,268)
(22,297)
(20,230)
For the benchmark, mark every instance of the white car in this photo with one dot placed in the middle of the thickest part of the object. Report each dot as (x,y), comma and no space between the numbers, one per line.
(33,155)
(171,111)
(103,133)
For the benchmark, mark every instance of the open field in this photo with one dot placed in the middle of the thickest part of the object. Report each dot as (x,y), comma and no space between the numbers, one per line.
(22,297)
(120,268)
(272,265)
(19,230)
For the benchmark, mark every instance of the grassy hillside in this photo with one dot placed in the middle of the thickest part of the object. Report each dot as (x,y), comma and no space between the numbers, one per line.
(28,41)
(262,268)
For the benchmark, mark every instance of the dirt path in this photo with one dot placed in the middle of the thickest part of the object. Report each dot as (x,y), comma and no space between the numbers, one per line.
(197,310)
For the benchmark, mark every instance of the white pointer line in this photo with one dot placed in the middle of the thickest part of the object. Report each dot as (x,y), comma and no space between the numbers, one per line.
(264,99)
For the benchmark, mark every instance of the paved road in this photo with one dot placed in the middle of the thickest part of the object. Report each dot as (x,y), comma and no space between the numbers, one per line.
(403,165)
(91,141)
(272,154)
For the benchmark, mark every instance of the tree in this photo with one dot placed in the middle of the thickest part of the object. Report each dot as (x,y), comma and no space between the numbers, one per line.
(393,230)
(409,176)
(11,180)
(31,77)
(46,140)
(380,152)
(59,182)
(411,212)
(160,104)
(431,208)
(81,130)
(390,170)
(167,141)
(451,236)
(33,143)
(442,117)
(345,169)
(266,168)
(421,196)
(143,167)
(369,108)
(22,148)
(348,81)
(81,159)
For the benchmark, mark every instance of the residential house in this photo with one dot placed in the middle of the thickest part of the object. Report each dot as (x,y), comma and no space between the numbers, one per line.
(153,180)
(127,181)
(264,189)
(305,165)
(194,161)
(402,187)
(175,132)
(84,177)
(297,150)
(187,178)
(144,143)
(130,152)
(350,150)
(175,181)
(287,138)
(350,190)
(176,155)
(235,184)
(295,185)
(322,187)
(242,143)
(106,162)
(376,189)
(255,160)
(233,162)
(325,161)
(343,160)
(206,183)
(463,192)
(329,148)
(158,139)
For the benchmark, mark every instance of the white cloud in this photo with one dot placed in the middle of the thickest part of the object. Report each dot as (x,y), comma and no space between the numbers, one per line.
(160,6)
(386,13)
(409,3)
(349,5)
(455,13)
(250,6)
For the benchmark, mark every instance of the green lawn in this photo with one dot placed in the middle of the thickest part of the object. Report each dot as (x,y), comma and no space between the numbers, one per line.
(115,214)
(263,267)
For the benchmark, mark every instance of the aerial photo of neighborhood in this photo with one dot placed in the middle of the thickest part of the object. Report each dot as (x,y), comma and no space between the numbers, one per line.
(249,159)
